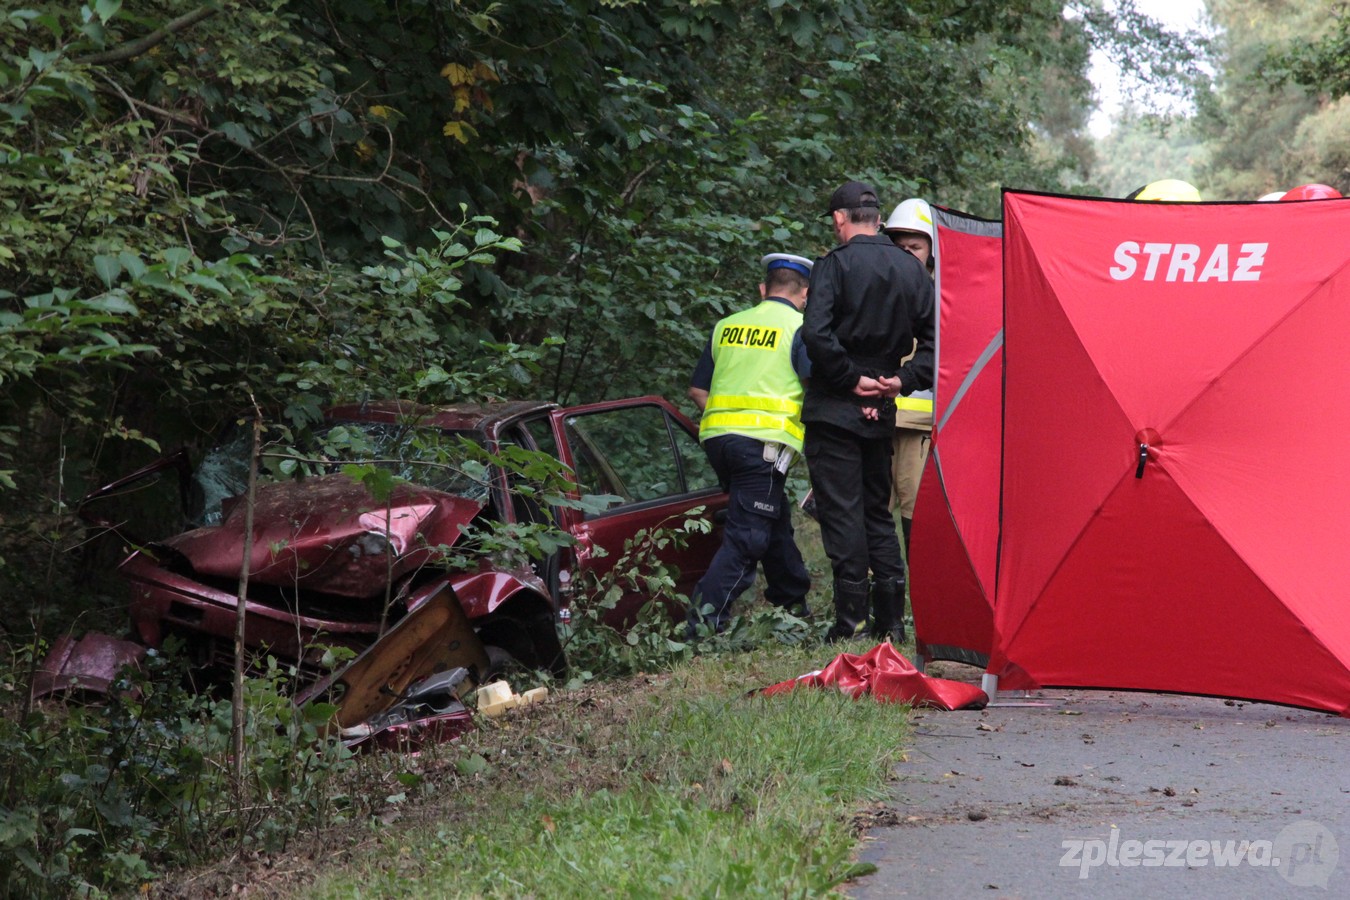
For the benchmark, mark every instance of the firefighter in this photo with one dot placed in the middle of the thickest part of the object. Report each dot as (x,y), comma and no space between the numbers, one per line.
(749,385)
(870,302)
(1168,189)
(910,227)
(1312,192)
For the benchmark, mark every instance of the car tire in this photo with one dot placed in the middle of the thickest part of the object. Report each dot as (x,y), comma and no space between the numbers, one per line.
(500,661)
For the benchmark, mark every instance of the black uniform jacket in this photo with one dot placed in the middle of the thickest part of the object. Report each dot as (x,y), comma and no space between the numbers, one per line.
(869,303)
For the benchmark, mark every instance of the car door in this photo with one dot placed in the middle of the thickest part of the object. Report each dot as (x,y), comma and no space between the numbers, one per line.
(645,453)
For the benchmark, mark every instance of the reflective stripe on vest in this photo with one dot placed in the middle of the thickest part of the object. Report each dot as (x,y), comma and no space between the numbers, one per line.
(768,404)
(738,422)
(915,403)
(755,392)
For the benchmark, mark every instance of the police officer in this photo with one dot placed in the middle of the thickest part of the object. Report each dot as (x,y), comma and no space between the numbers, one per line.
(749,385)
(871,305)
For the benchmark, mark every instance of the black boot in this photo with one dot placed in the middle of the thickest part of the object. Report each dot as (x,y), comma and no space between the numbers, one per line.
(850,609)
(888,609)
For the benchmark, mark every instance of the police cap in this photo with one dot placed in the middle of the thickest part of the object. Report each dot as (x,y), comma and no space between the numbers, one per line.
(787,261)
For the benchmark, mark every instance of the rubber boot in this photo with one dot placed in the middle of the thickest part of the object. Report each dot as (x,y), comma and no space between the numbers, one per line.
(850,609)
(888,610)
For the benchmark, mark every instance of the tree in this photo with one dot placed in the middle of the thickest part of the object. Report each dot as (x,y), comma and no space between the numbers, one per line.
(1142,147)
(291,201)
(1266,132)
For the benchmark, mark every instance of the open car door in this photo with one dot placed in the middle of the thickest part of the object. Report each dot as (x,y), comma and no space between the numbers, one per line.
(646,453)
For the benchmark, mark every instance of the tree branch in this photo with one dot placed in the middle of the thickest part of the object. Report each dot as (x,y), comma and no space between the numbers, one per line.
(136,48)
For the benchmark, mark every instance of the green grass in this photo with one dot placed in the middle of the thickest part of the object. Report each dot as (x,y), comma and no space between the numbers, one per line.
(678,785)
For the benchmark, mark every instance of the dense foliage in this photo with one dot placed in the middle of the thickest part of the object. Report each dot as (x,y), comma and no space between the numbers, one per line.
(212,205)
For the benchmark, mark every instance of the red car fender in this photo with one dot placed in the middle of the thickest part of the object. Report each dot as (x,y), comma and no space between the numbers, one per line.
(482,593)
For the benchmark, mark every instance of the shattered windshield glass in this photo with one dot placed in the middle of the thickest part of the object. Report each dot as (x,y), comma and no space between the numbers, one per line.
(443,460)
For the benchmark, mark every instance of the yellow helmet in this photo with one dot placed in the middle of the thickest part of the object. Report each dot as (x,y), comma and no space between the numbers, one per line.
(1169,189)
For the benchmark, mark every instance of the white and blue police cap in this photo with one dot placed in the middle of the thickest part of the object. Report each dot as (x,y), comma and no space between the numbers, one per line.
(798,264)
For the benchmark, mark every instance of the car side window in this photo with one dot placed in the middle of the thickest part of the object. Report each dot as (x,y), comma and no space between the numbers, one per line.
(541,431)
(632,447)
(593,474)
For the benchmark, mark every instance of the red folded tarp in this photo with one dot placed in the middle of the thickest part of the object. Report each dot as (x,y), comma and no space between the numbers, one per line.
(1175,496)
(889,677)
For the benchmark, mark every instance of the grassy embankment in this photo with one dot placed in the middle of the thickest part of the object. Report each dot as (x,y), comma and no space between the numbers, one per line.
(671,785)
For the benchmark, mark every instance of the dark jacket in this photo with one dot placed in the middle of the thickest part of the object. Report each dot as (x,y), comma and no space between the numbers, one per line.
(870,302)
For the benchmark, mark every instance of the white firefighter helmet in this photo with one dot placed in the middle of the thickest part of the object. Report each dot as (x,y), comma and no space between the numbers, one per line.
(911,215)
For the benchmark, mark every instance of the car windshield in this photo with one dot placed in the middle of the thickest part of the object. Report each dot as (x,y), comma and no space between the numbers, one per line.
(430,457)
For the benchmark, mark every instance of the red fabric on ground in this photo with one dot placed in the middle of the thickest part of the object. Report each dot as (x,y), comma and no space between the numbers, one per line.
(890,678)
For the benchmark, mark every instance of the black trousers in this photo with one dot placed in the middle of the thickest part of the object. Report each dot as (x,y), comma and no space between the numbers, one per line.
(851,477)
(758,529)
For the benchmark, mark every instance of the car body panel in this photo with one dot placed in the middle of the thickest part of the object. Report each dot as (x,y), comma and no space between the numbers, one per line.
(435,637)
(327,534)
(90,663)
(328,565)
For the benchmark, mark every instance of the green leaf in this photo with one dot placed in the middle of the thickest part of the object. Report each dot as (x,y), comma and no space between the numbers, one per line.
(177,257)
(132,263)
(206,281)
(113,303)
(106,9)
(108,269)
(41,60)
(319,713)
(236,133)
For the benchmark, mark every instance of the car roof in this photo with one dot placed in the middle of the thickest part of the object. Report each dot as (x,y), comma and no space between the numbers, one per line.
(485,417)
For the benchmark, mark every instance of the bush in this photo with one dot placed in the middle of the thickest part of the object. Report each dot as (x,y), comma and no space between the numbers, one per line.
(97,798)
(658,640)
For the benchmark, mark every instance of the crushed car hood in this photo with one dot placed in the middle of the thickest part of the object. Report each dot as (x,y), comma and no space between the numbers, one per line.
(329,534)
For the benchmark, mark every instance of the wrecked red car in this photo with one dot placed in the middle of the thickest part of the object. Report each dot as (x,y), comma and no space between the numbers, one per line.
(330,566)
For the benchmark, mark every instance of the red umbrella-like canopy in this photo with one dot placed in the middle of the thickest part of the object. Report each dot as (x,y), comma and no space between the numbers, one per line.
(1175,495)
(953,552)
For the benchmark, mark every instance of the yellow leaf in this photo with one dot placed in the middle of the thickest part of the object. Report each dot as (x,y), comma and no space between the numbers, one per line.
(457,74)
(365,150)
(484,73)
(382,112)
(460,131)
(461,98)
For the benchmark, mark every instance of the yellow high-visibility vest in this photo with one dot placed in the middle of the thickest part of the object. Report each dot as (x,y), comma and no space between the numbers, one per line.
(755,391)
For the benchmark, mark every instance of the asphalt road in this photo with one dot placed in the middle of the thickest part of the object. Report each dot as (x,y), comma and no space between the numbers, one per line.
(1117,794)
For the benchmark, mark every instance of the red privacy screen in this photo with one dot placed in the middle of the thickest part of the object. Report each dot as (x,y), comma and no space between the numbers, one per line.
(1175,499)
